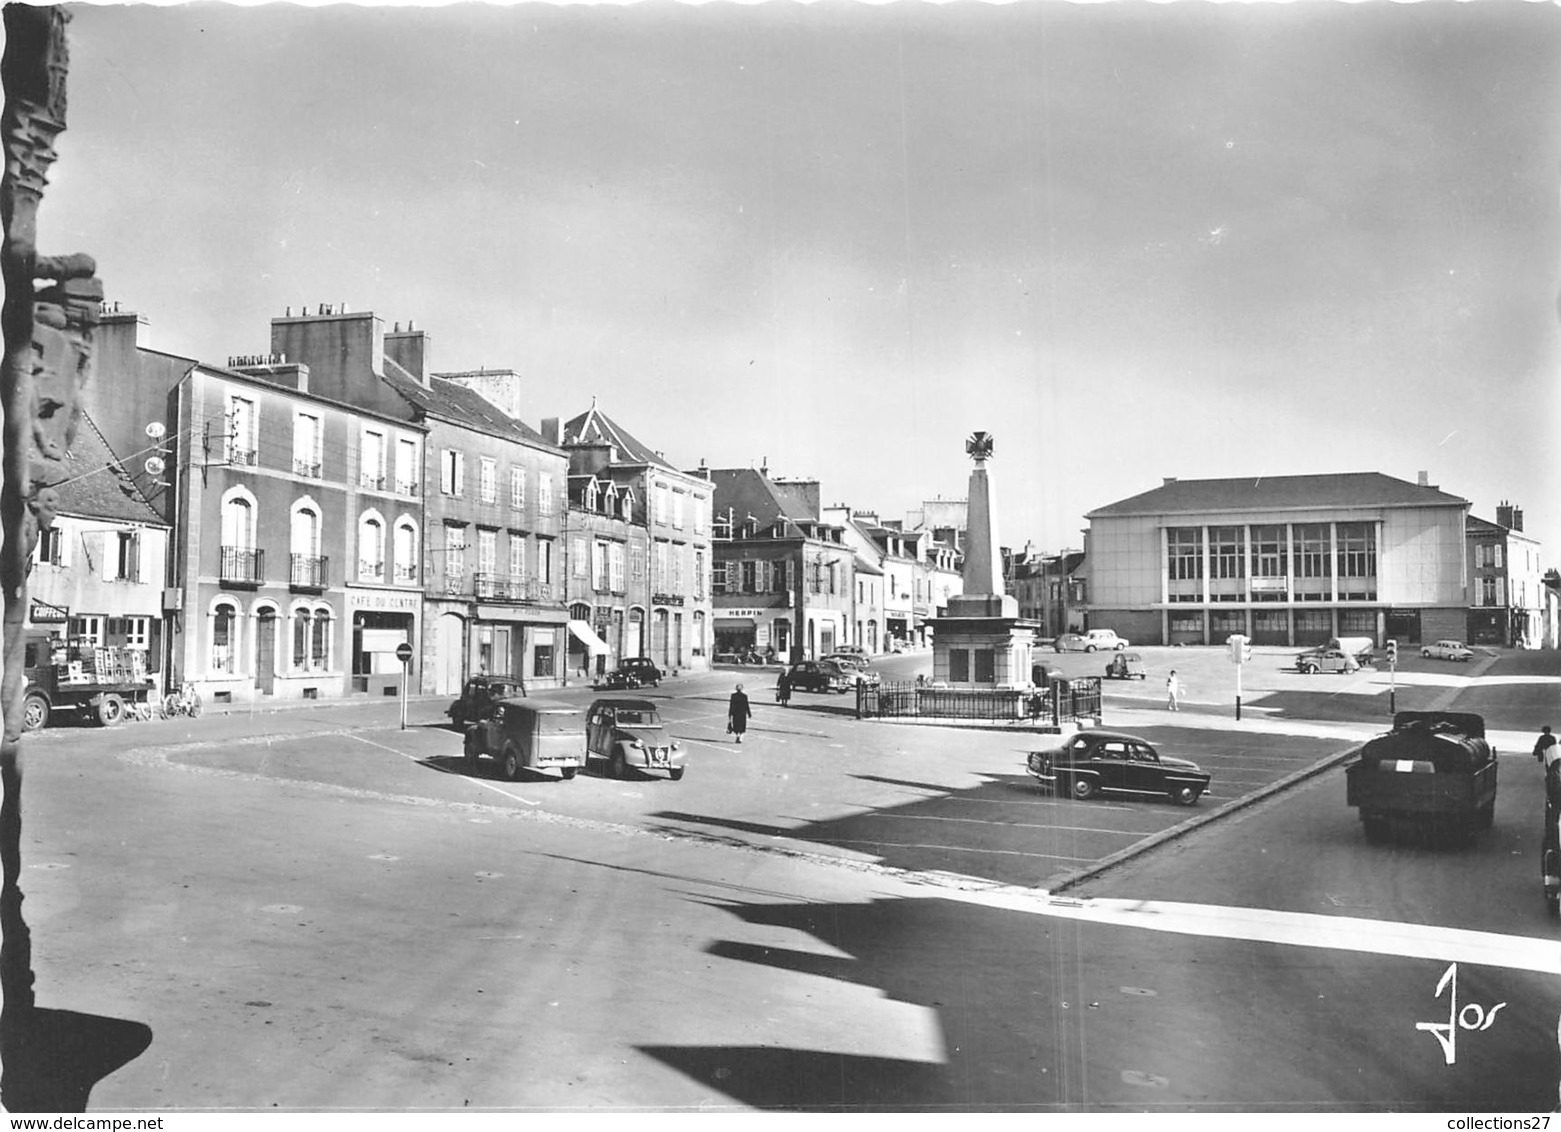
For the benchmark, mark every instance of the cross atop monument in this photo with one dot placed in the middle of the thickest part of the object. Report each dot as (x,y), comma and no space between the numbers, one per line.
(978,446)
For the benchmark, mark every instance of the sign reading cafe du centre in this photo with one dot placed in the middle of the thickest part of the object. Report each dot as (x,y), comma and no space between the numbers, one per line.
(384,601)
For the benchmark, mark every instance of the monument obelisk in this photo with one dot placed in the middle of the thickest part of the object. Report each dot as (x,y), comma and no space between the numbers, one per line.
(982,642)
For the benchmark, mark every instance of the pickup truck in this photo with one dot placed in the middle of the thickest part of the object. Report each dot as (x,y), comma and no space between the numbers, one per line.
(82,679)
(1434,771)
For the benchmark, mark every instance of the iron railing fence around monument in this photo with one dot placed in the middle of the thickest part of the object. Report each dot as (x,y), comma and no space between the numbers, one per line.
(1061,701)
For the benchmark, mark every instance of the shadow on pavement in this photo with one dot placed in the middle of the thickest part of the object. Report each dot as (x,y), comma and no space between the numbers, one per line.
(52,1058)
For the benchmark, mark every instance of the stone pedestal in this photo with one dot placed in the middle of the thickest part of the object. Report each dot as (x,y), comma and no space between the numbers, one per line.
(983,643)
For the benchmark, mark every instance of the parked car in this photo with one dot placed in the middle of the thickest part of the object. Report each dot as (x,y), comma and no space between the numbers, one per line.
(532,733)
(820,676)
(1073,642)
(856,667)
(648,675)
(626,733)
(1127,666)
(480,694)
(1447,650)
(853,650)
(1325,660)
(1094,761)
(1105,639)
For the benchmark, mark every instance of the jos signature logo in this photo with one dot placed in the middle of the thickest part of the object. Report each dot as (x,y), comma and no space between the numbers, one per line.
(1471,1017)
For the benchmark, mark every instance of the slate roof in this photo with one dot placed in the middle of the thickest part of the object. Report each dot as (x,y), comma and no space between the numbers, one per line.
(453,402)
(1279,493)
(595,427)
(747,492)
(97,485)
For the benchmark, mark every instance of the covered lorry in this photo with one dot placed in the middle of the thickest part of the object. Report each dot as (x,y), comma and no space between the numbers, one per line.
(1434,771)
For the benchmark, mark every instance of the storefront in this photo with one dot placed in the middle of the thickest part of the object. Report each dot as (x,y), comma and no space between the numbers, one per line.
(381,620)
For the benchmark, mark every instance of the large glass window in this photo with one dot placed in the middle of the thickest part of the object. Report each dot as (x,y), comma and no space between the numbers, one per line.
(1184,553)
(1270,562)
(1313,561)
(1357,561)
(371,549)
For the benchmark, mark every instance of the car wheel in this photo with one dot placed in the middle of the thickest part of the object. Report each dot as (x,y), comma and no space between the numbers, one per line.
(1185,795)
(111,709)
(676,773)
(1056,648)
(511,762)
(1425,654)
(35,713)
(1089,648)
(567,772)
(1121,647)
(1308,670)
(1083,788)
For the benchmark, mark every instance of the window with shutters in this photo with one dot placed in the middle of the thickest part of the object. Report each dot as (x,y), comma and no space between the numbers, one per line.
(452,472)
(544,493)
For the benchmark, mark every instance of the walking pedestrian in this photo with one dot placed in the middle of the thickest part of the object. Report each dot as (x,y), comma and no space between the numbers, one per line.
(1545,747)
(1173,691)
(783,688)
(737,713)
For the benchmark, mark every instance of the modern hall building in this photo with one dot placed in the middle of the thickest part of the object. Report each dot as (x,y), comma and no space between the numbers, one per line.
(1506,591)
(1284,560)
(783,575)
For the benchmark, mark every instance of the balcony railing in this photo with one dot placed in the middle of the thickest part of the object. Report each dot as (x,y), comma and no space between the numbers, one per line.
(371,481)
(246,456)
(243,567)
(506,587)
(308,469)
(309,572)
(406,487)
(371,571)
(405,573)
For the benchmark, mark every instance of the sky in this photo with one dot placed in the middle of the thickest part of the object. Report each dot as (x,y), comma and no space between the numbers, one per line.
(1130,241)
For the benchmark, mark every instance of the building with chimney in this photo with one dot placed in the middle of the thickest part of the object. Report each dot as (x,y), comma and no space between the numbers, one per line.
(279,542)
(783,574)
(98,571)
(1506,589)
(638,547)
(1283,560)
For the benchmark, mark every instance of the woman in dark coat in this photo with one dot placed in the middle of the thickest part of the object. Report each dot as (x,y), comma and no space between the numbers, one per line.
(783,688)
(737,713)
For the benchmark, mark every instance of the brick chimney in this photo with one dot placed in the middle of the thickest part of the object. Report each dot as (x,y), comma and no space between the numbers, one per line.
(500,387)
(1504,514)
(119,334)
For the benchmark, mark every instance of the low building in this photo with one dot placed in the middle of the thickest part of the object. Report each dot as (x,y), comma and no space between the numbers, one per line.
(1506,590)
(1283,560)
(98,573)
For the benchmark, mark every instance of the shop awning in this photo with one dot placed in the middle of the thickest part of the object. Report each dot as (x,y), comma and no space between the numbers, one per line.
(587,637)
(734,622)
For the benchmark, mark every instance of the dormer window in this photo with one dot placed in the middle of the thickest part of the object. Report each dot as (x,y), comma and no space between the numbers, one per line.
(626,505)
(590,496)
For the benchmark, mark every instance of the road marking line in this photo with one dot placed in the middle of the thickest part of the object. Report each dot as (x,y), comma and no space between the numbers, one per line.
(446,770)
(920,875)
(1009,824)
(1299,929)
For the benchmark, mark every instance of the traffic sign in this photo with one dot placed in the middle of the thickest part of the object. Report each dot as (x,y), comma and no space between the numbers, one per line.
(404,653)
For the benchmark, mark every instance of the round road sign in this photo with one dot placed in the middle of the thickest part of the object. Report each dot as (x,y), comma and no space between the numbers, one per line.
(404,653)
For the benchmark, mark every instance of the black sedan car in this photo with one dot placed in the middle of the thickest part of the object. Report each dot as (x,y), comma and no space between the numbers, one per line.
(1095,761)
(820,676)
(646,674)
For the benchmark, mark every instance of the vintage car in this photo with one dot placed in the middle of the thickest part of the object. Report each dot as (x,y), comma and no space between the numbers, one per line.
(480,694)
(1094,761)
(1127,666)
(642,669)
(856,668)
(626,733)
(532,734)
(1326,660)
(1073,642)
(1105,639)
(820,676)
(1447,650)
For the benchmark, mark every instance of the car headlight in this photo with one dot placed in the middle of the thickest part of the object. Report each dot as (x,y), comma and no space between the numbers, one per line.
(637,745)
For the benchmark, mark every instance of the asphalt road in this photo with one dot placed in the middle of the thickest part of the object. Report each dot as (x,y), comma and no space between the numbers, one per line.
(314,909)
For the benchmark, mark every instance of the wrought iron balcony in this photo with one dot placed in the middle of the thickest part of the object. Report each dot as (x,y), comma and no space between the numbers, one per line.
(405,572)
(406,487)
(242,567)
(245,456)
(307,469)
(371,571)
(511,588)
(373,482)
(309,572)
